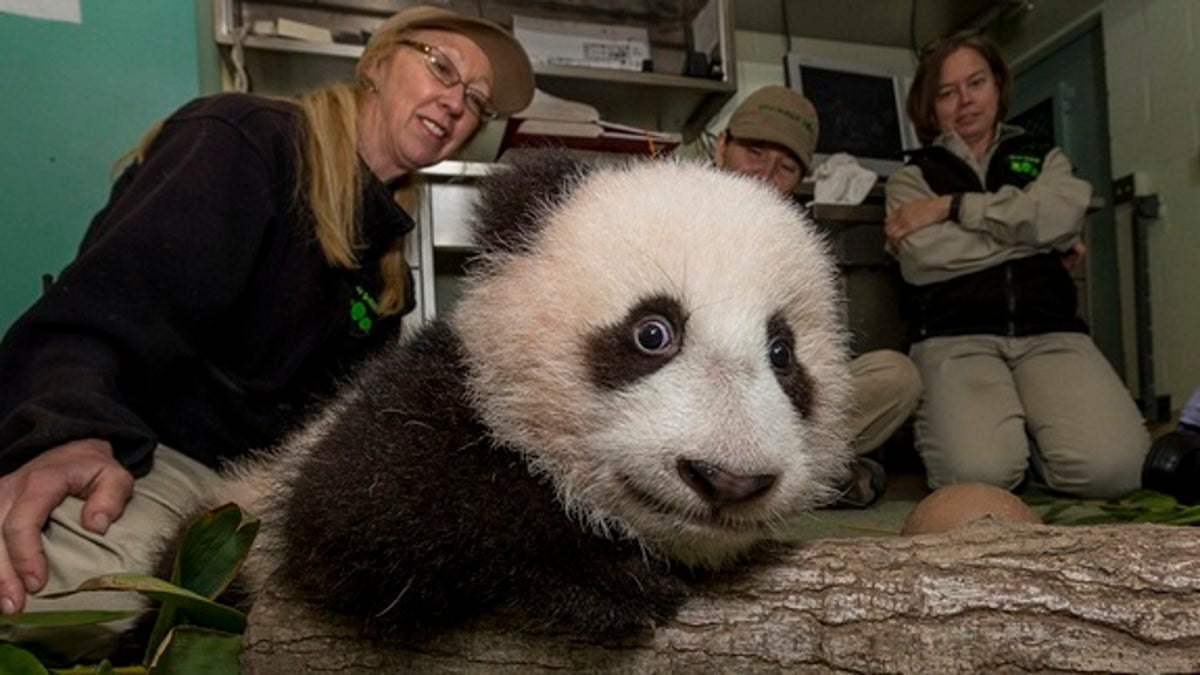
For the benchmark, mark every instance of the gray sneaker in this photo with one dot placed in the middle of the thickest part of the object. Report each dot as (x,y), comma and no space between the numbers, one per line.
(865,486)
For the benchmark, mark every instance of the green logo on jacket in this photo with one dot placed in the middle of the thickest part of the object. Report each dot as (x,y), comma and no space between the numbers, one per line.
(1025,165)
(363,310)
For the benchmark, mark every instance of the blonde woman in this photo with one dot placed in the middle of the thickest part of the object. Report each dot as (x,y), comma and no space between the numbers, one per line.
(249,254)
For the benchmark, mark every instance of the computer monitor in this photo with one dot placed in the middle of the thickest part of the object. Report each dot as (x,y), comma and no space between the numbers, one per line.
(860,109)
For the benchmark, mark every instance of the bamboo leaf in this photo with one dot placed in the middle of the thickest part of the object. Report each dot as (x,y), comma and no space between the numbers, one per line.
(211,552)
(1095,519)
(1186,517)
(168,618)
(192,650)
(200,609)
(1051,514)
(1152,499)
(1140,506)
(213,549)
(17,661)
(102,668)
(65,618)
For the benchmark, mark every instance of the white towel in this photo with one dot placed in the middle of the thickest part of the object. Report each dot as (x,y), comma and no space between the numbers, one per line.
(840,179)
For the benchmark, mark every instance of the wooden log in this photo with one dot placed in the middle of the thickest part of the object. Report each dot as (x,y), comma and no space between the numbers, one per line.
(990,597)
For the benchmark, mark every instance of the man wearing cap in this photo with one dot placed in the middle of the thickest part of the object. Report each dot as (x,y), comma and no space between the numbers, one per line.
(251,253)
(771,135)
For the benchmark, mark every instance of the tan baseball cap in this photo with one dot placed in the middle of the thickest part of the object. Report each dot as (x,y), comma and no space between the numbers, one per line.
(776,114)
(514,75)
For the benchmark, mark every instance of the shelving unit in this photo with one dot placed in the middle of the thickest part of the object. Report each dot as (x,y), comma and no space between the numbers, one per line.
(665,98)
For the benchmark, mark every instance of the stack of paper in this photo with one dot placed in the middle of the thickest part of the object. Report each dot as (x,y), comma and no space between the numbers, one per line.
(553,121)
(290,28)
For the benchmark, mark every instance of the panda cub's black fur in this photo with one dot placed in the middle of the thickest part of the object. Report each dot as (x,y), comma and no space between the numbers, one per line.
(645,376)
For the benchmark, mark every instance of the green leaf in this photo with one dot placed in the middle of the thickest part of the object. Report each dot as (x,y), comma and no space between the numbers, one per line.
(168,618)
(191,650)
(1152,500)
(213,549)
(1095,519)
(102,668)
(65,618)
(210,554)
(1189,517)
(1140,506)
(1122,511)
(1051,514)
(17,661)
(201,609)
(1035,497)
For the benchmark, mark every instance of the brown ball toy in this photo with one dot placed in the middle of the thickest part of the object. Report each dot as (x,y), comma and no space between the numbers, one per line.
(956,505)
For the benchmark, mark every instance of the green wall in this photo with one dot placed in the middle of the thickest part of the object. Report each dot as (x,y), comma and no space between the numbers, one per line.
(76,96)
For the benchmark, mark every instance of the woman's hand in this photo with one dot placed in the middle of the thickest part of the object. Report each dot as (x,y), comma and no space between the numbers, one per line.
(1072,258)
(915,215)
(85,469)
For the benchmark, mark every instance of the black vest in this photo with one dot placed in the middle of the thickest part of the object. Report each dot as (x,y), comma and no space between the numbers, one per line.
(1027,296)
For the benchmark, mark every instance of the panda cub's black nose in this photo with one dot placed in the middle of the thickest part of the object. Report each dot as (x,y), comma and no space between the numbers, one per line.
(719,487)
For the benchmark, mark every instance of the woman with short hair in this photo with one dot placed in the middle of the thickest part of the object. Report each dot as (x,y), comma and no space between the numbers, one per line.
(985,221)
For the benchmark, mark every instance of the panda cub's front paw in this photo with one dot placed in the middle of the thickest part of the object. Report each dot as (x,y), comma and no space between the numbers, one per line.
(626,599)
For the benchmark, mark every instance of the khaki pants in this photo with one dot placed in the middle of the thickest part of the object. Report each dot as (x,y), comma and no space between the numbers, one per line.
(161,501)
(887,389)
(987,397)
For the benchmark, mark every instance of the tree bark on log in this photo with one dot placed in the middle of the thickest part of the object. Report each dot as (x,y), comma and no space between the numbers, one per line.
(991,597)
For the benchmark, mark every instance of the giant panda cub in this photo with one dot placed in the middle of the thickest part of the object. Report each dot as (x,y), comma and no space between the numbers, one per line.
(644,378)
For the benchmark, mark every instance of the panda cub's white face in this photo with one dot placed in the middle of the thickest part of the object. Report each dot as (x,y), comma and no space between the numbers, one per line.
(670,352)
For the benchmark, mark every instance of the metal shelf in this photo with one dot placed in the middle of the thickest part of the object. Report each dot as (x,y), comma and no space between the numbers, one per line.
(655,100)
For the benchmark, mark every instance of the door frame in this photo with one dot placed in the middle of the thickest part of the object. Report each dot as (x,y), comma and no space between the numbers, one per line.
(1078,54)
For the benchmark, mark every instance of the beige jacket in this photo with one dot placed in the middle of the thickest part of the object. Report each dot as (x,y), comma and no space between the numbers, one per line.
(996,226)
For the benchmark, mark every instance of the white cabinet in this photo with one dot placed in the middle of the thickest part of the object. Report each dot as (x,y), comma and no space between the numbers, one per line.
(690,73)
(442,239)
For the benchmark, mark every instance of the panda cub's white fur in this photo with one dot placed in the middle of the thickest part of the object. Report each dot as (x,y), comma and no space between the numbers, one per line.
(645,374)
(733,254)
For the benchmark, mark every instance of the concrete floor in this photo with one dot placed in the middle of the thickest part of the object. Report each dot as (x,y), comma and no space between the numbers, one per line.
(882,519)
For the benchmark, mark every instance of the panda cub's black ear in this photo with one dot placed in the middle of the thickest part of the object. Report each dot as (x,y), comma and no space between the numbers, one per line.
(515,197)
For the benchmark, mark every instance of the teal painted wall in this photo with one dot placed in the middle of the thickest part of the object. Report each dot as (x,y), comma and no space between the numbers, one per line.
(75,97)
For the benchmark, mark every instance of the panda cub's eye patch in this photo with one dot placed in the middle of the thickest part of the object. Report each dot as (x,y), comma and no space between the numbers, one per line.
(646,339)
(792,376)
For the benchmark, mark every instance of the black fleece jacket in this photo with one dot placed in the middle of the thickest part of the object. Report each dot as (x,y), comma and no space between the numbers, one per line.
(199,311)
(1025,296)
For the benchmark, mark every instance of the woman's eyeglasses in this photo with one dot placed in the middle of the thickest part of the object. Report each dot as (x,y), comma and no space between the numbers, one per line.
(443,69)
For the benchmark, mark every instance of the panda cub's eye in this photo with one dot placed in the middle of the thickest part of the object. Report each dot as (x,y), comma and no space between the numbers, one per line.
(654,335)
(779,352)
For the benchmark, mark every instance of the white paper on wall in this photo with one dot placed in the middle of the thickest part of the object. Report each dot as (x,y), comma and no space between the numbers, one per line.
(53,10)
